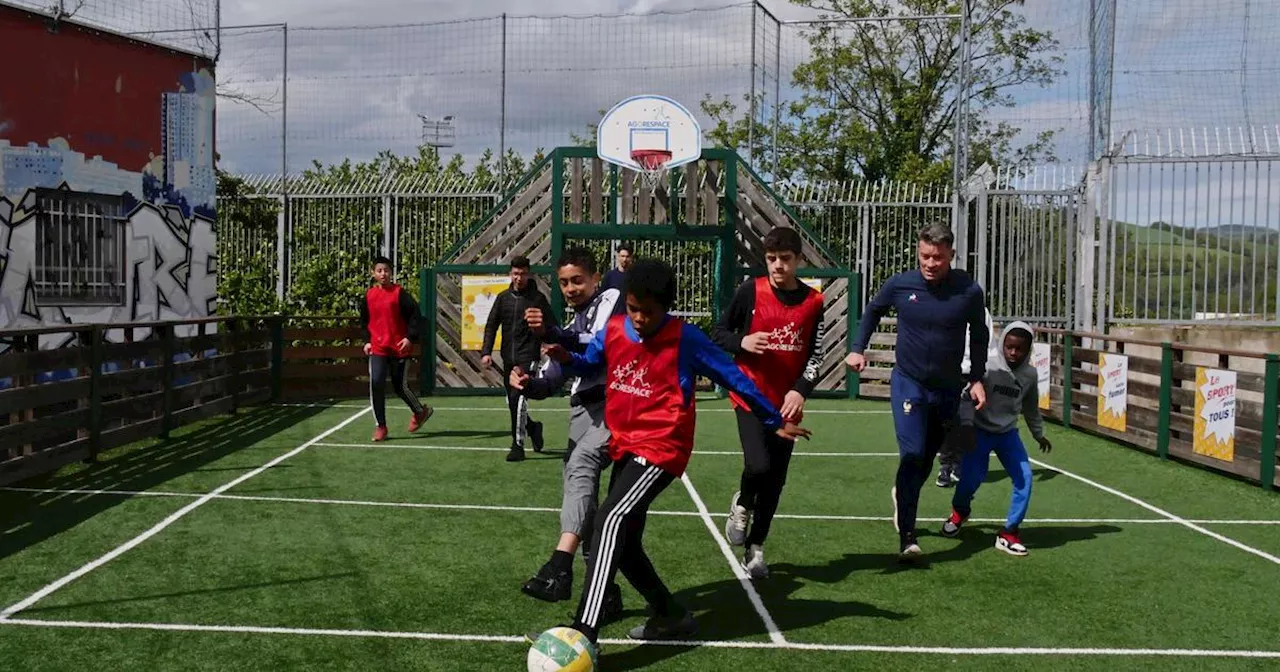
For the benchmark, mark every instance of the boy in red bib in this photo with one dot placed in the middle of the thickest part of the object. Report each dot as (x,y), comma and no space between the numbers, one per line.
(650,361)
(774,329)
(389,318)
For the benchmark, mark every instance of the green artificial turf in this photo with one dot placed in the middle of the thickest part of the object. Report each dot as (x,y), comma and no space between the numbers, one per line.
(345,541)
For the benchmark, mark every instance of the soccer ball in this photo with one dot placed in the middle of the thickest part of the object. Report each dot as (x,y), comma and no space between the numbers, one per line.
(562,649)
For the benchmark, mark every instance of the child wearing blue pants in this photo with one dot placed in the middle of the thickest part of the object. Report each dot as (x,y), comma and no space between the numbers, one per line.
(1012,390)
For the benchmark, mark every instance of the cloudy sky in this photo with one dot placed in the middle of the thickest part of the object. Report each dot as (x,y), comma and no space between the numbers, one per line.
(361,72)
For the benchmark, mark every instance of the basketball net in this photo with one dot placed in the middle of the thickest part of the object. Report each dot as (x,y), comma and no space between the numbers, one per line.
(653,166)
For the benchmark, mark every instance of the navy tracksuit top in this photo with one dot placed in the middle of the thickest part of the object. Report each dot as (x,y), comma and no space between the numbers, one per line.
(931,322)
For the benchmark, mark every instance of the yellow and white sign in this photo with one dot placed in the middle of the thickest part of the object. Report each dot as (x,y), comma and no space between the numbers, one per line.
(1215,423)
(1113,391)
(815,283)
(478,294)
(1040,358)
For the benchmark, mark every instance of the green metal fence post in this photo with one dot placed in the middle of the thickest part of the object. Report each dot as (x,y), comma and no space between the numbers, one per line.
(277,357)
(557,226)
(96,353)
(1068,363)
(852,379)
(169,347)
(428,307)
(1270,399)
(233,329)
(1166,400)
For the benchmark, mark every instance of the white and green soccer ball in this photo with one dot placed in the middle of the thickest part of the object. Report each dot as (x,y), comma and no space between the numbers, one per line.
(562,650)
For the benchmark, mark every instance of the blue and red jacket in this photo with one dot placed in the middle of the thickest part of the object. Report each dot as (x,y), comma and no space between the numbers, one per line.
(649,388)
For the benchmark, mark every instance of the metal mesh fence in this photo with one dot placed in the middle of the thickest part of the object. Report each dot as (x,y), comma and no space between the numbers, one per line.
(189,25)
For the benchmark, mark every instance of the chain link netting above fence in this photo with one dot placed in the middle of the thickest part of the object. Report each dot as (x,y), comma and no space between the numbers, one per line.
(187,25)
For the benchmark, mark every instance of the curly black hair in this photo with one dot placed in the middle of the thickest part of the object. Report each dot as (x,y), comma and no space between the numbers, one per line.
(651,279)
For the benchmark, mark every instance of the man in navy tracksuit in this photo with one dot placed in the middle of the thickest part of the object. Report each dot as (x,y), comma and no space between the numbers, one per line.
(934,303)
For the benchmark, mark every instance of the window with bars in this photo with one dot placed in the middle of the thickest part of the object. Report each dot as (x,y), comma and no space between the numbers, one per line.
(80,255)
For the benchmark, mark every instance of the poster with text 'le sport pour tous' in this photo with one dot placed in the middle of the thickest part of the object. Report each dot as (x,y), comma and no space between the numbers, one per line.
(1215,421)
(1113,391)
(1040,358)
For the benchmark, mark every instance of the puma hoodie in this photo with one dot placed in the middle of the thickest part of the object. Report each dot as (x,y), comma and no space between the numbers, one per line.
(1011,390)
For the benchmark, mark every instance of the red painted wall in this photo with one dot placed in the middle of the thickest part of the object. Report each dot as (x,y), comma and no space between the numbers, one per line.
(100,92)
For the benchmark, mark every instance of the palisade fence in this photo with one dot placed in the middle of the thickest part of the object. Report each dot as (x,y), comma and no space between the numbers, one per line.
(1085,248)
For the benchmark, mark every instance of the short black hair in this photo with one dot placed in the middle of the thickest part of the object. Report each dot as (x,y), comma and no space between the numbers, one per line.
(578,256)
(382,260)
(938,233)
(651,279)
(626,247)
(520,261)
(782,239)
(1020,333)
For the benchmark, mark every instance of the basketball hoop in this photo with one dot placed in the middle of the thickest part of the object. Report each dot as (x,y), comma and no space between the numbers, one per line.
(653,165)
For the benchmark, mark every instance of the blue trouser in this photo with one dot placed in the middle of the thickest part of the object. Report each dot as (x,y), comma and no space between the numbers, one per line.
(973,471)
(920,417)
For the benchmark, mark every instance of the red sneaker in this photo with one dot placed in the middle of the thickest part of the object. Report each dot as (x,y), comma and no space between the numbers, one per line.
(420,418)
(951,527)
(380,434)
(1009,543)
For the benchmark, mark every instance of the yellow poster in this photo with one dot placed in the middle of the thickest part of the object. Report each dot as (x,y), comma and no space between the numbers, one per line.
(1040,358)
(1215,423)
(1113,391)
(478,294)
(815,283)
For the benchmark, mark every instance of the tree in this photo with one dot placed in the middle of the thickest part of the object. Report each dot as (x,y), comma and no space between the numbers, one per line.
(879,99)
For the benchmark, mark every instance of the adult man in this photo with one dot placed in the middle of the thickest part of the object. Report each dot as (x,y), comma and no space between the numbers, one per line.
(934,304)
(520,347)
(613,279)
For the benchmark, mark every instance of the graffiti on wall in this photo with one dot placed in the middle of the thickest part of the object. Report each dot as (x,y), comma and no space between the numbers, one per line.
(170,267)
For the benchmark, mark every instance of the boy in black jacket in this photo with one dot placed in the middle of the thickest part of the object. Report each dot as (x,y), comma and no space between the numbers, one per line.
(520,347)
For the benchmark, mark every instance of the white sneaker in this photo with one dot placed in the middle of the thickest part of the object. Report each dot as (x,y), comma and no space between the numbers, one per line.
(735,528)
(1009,543)
(753,562)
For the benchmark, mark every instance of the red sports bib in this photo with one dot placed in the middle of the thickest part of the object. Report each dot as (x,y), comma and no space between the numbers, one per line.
(790,329)
(386,325)
(644,407)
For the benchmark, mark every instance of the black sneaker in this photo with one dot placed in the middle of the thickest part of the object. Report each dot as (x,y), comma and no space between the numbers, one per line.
(535,436)
(946,478)
(612,603)
(550,584)
(669,627)
(908,550)
(516,454)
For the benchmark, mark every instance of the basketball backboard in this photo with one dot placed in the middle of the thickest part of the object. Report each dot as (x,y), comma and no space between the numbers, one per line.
(648,122)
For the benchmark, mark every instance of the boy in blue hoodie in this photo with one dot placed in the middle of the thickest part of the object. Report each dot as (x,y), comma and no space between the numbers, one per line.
(1012,390)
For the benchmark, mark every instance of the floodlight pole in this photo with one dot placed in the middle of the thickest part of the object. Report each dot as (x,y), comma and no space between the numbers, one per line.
(960,151)
(502,124)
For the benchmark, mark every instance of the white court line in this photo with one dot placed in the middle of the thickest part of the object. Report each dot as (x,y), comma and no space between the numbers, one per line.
(775,634)
(542,509)
(1157,510)
(786,645)
(557,409)
(492,449)
(171,519)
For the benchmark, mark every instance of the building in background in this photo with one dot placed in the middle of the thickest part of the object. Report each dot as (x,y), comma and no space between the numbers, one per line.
(107,180)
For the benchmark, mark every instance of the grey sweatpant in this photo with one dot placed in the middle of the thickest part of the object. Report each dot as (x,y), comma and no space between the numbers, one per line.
(587,458)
